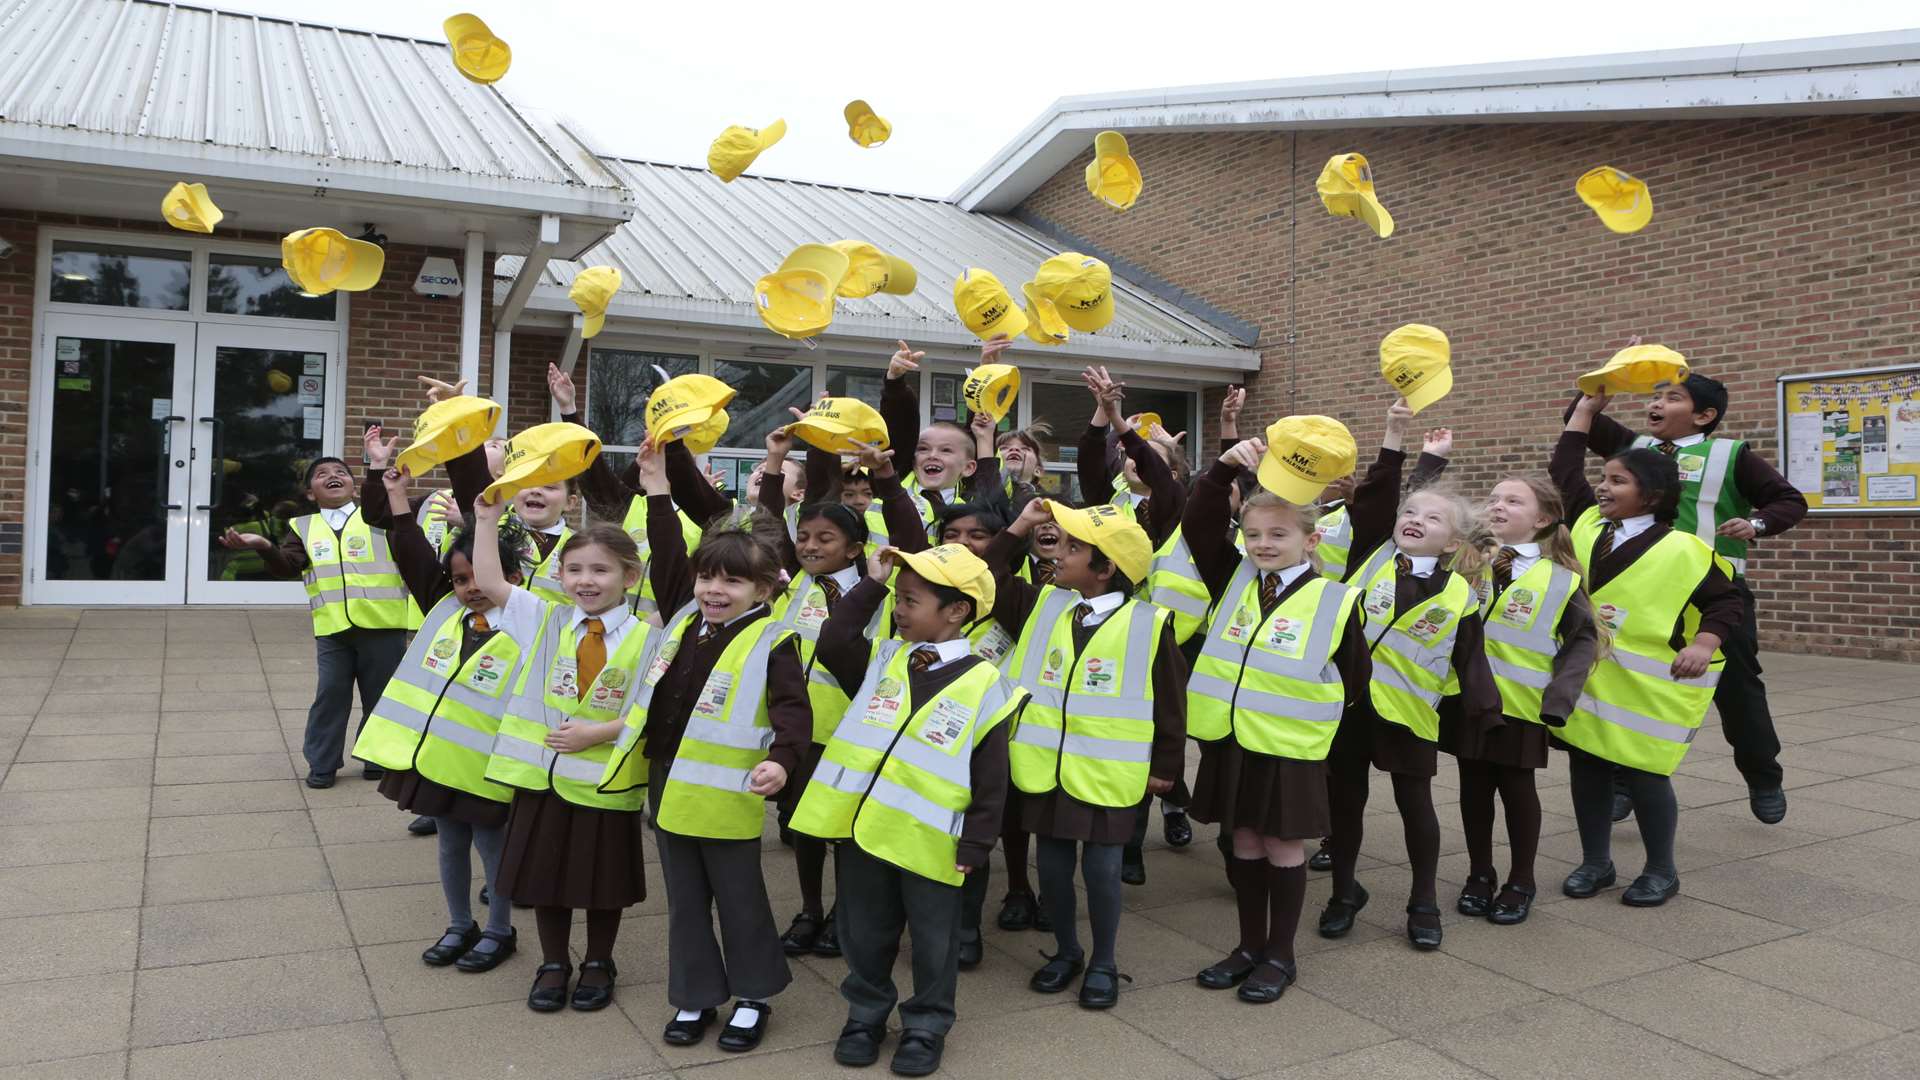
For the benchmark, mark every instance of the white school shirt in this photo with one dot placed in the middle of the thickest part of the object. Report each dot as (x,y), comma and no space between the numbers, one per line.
(1422,564)
(1632,527)
(1101,606)
(336,518)
(1288,575)
(520,619)
(1524,556)
(946,652)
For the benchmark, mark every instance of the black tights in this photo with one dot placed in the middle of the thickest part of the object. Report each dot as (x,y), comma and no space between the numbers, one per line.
(1413,795)
(1654,810)
(1480,781)
(1015,842)
(556,927)
(810,859)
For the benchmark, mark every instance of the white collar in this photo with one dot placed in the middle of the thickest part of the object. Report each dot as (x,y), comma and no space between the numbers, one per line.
(611,620)
(1685,440)
(1422,564)
(1525,551)
(846,578)
(340,513)
(1289,574)
(754,610)
(496,616)
(554,529)
(945,652)
(1104,603)
(1632,527)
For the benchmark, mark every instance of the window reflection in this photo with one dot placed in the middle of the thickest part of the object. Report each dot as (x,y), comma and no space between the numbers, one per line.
(114,276)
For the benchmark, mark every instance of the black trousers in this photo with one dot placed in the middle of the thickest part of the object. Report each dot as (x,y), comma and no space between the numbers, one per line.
(353,656)
(1742,700)
(877,901)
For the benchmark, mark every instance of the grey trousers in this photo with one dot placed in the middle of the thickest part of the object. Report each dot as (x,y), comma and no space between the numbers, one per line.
(701,875)
(353,656)
(878,900)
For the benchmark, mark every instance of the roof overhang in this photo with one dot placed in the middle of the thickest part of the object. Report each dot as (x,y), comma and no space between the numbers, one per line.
(1852,74)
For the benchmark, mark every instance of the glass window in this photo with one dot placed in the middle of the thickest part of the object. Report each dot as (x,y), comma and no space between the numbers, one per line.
(856,382)
(1068,409)
(764,392)
(619,381)
(116,276)
(259,285)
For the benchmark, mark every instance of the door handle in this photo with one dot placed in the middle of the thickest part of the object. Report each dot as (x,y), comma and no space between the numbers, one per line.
(216,463)
(166,451)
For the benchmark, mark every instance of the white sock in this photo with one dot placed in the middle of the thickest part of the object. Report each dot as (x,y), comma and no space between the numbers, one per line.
(688,1014)
(744,1016)
(1167,808)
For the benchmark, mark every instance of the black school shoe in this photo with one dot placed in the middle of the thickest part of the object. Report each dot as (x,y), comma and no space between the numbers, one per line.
(1769,805)
(1017,911)
(594,998)
(479,958)
(1056,974)
(1228,973)
(423,826)
(688,1032)
(1322,860)
(739,1040)
(859,1044)
(1133,866)
(918,1053)
(1337,920)
(1275,977)
(827,942)
(1100,989)
(1472,904)
(1423,938)
(549,998)
(1505,912)
(1649,890)
(318,780)
(800,936)
(1176,828)
(1588,880)
(971,952)
(452,945)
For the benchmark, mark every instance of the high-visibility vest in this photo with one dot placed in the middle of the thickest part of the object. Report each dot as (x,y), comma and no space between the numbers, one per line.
(1412,651)
(432,519)
(897,774)
(990,641)
(547,694)
(705,794)
(440,714)
(1708,496)
(1173,582)
(1089,727)
(1632,710)
(802,609)
(635,524)
(1271,683)
(246,562)
(352,581)
(1522,624)
(543,572)
(1126,500)
(921,505)
(1336,543)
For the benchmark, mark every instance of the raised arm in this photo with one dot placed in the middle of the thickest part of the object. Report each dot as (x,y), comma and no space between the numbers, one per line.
(488,574)
(419,563)
(905,530)
(1013,599)
(1169,495)
(1435,449)
(1375,501)
(773,497)
(1568,465)
(375,509)
(1207,522)
(691,491)
(899,403)
(843,647)
(667,564)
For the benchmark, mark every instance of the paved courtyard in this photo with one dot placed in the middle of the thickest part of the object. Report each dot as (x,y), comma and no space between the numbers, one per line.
(173,902)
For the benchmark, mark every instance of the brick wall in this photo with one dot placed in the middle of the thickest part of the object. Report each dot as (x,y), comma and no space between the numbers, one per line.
(1777,245)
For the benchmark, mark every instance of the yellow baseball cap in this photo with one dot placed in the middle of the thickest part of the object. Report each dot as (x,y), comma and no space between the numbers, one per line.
(322,260)
(1637,369)
(1146,422)
(1414,360)
(991,389)
(1304,455)
(1118,536)
(984,305)
(871,270)
(1346,189)
(544,454)
(864,126)
(188,208)
(593,289)
(1080,286)
(1113,176)
(1623,202)
(682,405)
(841,425)
(446,430)
(707,436)
(1044,324)
(953,565)
(796,300)
(480,56)
(735,148)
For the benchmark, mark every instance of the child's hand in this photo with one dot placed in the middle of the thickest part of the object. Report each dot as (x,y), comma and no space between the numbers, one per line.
(1230,406)
(905,359)
(489,513)
(396,481)
(239,541)
(1439,442)
(1692,661)
(879,568)
(779,444)
(991,348)
(439,391)
(573,736)
(1591,405)
(560,388)
(1157,786)
(767,779)
(983,427)
(376,452)
(1398,414)
(1245,454)
(653,470)
(448,511)
(875,460)
(715,478)
(1037,513)
(1738,528)
(1161,436)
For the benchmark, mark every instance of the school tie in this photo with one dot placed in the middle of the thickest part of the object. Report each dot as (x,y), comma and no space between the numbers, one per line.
(830,589)
(1605,544)
(922,658)
(1269,592)
(591,654)
(479,624)
(1503,568)
(1402,565)
(1081,612)
(1668,447)
(1043,572)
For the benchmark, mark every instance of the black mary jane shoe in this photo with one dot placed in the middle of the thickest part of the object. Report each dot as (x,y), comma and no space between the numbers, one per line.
(452,945)
(1275,977)
(549,998)
(594,998)
(1176,828)
(971,951)
(1100,988)
(1322,860)
(739,1040)
(481,958)
(827,941)
(1648,890)
(423,826)
(1337,920)
(1017,911)
(1472,904)
(918,1053)
(1228,973)
(1424,938)
(1133,867)
(1587,880)
(800,936)
(1506,912)
(688,1032)
(1056,974)
(859,1044)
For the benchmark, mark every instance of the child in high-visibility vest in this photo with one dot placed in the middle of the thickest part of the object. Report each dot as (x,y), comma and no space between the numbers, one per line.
(1540,644)
(912,786)
(1643,702)
(943,451)
(1022,461)
(723,717)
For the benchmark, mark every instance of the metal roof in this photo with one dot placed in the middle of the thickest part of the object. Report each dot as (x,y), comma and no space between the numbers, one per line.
(697,246)
(1850,73)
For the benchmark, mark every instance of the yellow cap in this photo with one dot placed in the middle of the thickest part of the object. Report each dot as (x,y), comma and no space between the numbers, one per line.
(1113,176)
(1623,202)
(446,430)
(544,454)
(1044,324)
(1147,423)
(479,55)
(1080,286)
(991,389)
(1636,370)
(984,305)
(592,291)
(279,381)
(188,208)
(796,300)
(953,565)
(1414,360)
(841,425)
(864,127)
(871,270)
(322,260)
(736,147)
(1346,188)
(682,405)
(707,436)
(1304,455)
(1118,536)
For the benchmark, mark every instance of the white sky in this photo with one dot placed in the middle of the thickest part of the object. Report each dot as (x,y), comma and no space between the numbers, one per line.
(656,80)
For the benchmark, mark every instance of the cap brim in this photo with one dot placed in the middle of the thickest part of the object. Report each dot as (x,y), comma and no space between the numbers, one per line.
(1375,215)
(901,277)
(1295,489)
(679,425)
(1431,391)
(1629,221)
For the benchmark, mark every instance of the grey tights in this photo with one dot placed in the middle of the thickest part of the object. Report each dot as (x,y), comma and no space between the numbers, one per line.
(457,841)
(1100,865)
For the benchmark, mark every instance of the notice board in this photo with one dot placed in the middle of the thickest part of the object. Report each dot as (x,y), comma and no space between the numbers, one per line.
(1850,440)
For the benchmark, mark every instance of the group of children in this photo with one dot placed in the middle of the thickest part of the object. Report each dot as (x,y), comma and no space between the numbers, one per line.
(915,668)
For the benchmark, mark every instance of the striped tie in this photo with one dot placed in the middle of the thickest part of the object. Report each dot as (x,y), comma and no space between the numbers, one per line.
(830,589)
(922,658)
(1269,592)
(1043,572)
(1668,447)
(1503,568)
(479,625)
(1604,545)
(591,654)
(1402,565)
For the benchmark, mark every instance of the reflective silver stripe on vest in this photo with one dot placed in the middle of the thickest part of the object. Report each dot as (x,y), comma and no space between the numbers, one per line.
(707,775)
(1659,669)
(737,736)
(1131,702)
(953,768)
(1539,680)
(446,728)
(1178,562)
(818,675)
(1292,708)
(578,769)
(1633,721)
(1319,635)
(643,698)
(327,570)
(1413,652)
(1032,659)
(1364,574)
(1178,602)
(891,795)
(1084,746)
(1718,466)
(1388,677)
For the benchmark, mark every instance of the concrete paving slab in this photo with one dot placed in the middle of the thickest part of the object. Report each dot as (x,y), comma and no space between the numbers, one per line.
(509,1041)
(69,943)
(213,930)
(72,842)
(200,834)
(246,997)
(82,886)
(1569,1041)
(64,1018)
(357,1050)
(237,797)
(223,875)
(59,804)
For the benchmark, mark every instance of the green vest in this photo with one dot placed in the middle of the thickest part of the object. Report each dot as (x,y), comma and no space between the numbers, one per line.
(543,574)
(802,609)
(1173,582)
(1632,711)
(896,775)
(1271,683)
(1521,628)
(439,714)
(1336,543)
(635,524)
(352,581)
(1708,496)
(546,695)
(1412,650)
(1089,727)
(432,518)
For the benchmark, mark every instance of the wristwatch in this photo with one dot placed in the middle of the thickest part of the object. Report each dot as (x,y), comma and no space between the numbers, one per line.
(1759,526)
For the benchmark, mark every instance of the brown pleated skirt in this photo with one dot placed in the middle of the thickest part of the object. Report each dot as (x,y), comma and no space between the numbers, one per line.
(1516,744)
(1389,747)
(1283,798)
(562,855)
(415,793)
(1059,815)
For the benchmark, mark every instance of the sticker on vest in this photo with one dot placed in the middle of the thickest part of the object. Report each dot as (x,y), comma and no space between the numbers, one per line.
(1288,637)
(358,548)
(1520,606)
(442,656)
(1431,624)
(609,690)
(1692,470)
(564,680)
(1241,625)
(1380,599)
(1096,674)
(1611,616)
(320,548)
(945,723)
(813,612)
(1050,675)
(883,708)
(713,696)
(662,661)
(993,644)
